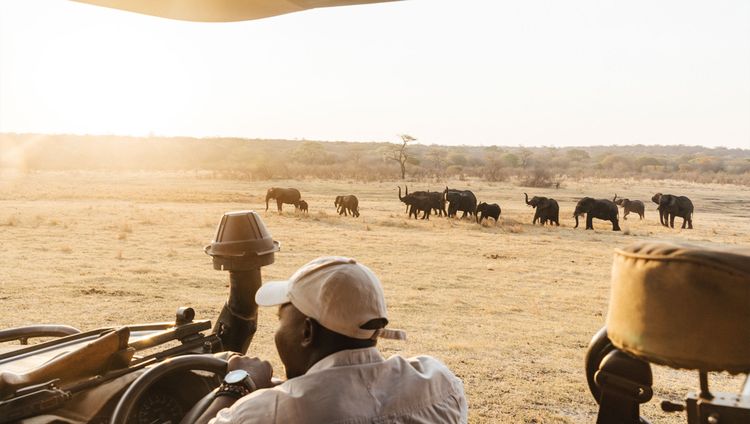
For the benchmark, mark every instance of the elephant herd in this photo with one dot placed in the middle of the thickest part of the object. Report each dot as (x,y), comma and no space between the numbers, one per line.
(289,196)
(425,202)
(345,205)
(464,201)
(669,207)
(450,202)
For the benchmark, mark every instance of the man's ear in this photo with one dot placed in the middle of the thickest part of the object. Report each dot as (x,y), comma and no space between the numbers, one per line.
(309,332)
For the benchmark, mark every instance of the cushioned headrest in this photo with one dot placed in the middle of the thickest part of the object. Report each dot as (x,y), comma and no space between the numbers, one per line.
(683,306)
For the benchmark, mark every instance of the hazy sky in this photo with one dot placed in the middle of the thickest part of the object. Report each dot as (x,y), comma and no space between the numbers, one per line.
(560,73)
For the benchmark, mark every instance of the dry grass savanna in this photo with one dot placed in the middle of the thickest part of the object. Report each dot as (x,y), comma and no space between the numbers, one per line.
(510,308)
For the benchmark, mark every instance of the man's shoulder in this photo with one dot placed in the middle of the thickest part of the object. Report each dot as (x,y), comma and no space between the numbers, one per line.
(424,359)
(422,363)
(426,364)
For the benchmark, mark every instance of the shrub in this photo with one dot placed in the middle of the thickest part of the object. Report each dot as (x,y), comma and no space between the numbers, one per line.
(538,177)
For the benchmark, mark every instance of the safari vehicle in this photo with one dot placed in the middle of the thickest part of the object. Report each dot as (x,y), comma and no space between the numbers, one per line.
(671,305)
(139,373)
(146,373)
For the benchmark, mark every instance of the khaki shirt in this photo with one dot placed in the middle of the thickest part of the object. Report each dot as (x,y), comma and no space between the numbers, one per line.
(358,386)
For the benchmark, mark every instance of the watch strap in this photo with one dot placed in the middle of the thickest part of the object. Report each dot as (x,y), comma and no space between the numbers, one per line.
(235,391)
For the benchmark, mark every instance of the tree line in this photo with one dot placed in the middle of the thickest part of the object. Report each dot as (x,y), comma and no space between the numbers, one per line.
(407,157)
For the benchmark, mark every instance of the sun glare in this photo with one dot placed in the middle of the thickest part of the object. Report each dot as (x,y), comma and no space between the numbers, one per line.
(492,73)
(13,155)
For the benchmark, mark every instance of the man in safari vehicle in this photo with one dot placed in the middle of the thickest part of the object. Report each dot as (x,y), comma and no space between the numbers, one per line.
(331,313)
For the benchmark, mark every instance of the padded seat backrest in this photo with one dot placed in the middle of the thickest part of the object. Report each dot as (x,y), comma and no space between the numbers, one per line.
(683,306)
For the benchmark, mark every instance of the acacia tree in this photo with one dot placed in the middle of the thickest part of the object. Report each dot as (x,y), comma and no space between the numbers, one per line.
(400,154)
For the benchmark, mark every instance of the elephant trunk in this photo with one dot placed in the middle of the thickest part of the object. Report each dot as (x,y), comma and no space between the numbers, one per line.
(268,196)
(527,199)
(615,198)
(576,216)
(399,194)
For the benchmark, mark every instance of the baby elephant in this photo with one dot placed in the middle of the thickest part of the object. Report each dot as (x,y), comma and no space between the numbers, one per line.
(302,206)
(635,206)
(485,211)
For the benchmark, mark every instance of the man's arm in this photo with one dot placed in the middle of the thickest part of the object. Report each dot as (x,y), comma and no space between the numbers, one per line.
(217,405)
(260,372)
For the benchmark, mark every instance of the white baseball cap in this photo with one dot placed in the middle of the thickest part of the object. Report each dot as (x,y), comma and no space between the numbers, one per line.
(339,293)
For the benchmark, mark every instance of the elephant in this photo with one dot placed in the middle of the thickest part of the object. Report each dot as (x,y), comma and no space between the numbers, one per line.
(460,200)
(547,209)
(628,206)
(435,199)
(302,205)
(289,196)
(663,215)
(346,204)
(416,204)
(485,211)
(671,206)
(597,208)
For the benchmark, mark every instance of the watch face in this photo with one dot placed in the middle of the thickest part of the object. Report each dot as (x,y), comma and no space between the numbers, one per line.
(236,376)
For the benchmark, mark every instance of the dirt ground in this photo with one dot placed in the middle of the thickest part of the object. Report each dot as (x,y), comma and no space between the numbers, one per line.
(509,308)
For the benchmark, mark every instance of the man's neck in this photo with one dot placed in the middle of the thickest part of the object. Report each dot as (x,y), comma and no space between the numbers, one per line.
(349,356)
(319,354)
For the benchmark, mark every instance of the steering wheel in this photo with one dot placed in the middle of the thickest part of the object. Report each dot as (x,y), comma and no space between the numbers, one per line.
(126,406)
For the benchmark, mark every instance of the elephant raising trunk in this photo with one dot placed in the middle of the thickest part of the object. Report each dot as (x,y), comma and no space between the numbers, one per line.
(402,198)
(547,210)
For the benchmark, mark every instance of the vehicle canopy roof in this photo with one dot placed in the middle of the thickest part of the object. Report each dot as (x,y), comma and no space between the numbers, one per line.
(221,10)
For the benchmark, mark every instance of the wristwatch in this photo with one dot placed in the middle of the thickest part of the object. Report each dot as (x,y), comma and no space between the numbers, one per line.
(237,384)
